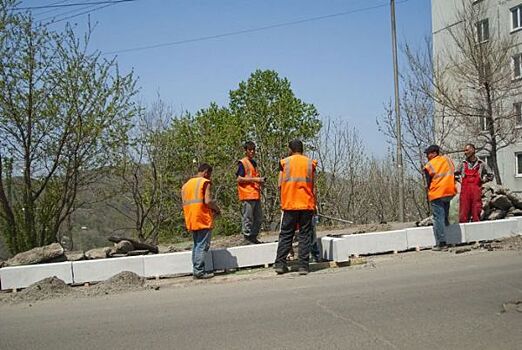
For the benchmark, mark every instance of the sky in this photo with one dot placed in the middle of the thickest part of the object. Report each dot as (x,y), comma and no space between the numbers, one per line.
(338,56)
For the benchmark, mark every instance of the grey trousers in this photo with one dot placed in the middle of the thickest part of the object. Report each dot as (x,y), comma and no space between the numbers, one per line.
(251,218)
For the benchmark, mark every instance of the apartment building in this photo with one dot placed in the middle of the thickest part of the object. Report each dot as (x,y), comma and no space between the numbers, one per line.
(493,22)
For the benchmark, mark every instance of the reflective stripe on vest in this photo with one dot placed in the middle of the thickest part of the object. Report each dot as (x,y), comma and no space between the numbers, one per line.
(288,178)
(442,173)
(194,199)
(297,183)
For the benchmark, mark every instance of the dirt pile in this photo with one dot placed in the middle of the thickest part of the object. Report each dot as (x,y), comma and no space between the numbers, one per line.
(48,288)
(124,281)
(511,243)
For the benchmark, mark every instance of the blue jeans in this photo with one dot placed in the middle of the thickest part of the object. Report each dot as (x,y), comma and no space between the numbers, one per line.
(440,208)
(200,248)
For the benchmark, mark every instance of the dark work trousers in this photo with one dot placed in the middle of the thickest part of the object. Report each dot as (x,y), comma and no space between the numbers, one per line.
(290,220)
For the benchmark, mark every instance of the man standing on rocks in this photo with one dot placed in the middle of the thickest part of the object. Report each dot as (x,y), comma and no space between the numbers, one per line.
(199,210)
(249,190)
(473,173)
(440,180)
(296,183)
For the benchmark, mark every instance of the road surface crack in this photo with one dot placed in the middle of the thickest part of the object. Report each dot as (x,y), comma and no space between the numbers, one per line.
(354,323)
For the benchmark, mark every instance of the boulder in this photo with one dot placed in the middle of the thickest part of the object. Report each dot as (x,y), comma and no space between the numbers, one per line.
(501,202)
(138,252)
(75,256)
(515,199)
(497,214)
(137,245)
(517,212)
(98,253)
(123,247)
(36,255)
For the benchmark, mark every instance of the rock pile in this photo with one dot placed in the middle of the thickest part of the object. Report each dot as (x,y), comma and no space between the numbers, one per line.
(499,202)
(55,252)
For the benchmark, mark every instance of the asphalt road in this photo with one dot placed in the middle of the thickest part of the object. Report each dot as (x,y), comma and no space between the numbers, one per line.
(420,300)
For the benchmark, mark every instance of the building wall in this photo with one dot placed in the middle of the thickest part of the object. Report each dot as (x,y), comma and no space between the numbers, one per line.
(498,12)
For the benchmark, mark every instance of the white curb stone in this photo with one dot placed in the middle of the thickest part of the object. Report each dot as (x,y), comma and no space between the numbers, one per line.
(519,224)
(421,237)
(455,234)
(369,243)
(172,264)
(244,256)
(24,276)
(489,230)
(327,248)
(102,269)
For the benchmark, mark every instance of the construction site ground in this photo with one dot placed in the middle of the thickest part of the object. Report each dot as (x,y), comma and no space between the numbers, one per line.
(412,300)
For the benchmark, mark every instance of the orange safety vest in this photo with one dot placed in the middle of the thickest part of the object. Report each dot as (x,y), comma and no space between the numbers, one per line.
(249,190)
(297,183)
(442,173)
(198,215)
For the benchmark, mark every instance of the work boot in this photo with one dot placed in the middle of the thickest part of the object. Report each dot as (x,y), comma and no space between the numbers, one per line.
(440,247)
(281,269)
(251,240)
(203,276)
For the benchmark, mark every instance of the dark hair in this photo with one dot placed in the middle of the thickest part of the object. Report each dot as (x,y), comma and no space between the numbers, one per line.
(249,145)
(432,148)
(296,146)
(470,145)
(204,167)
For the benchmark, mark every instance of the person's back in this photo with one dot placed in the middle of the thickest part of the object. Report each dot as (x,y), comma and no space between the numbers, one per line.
(440,181)
(296,182)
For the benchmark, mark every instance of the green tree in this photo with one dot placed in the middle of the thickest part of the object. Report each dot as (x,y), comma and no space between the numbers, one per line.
(263,109)
(64,116)
(271,115)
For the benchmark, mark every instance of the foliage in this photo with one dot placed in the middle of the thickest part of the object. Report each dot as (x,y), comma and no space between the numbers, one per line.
(64,115)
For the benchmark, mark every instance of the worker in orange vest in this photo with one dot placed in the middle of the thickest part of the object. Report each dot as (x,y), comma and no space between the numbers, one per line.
(440,179)
(296,183)
(249,190)
(199,210)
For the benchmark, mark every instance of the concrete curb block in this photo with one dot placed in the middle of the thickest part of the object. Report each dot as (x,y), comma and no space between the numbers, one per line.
(24,276)
(328,248)
(369,243)
(519,224)
(455,234)
(244,256)
(488,230)
(102,269)
(332,248)
(420,237)
(172,264)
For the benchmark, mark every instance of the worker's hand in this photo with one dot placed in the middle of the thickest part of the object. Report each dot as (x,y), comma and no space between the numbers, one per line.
(262,180)
(217,211)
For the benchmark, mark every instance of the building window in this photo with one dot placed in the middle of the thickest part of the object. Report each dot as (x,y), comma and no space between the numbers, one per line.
(518,164)
(482,30)
(517,66)
(517,111)
(516,17)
